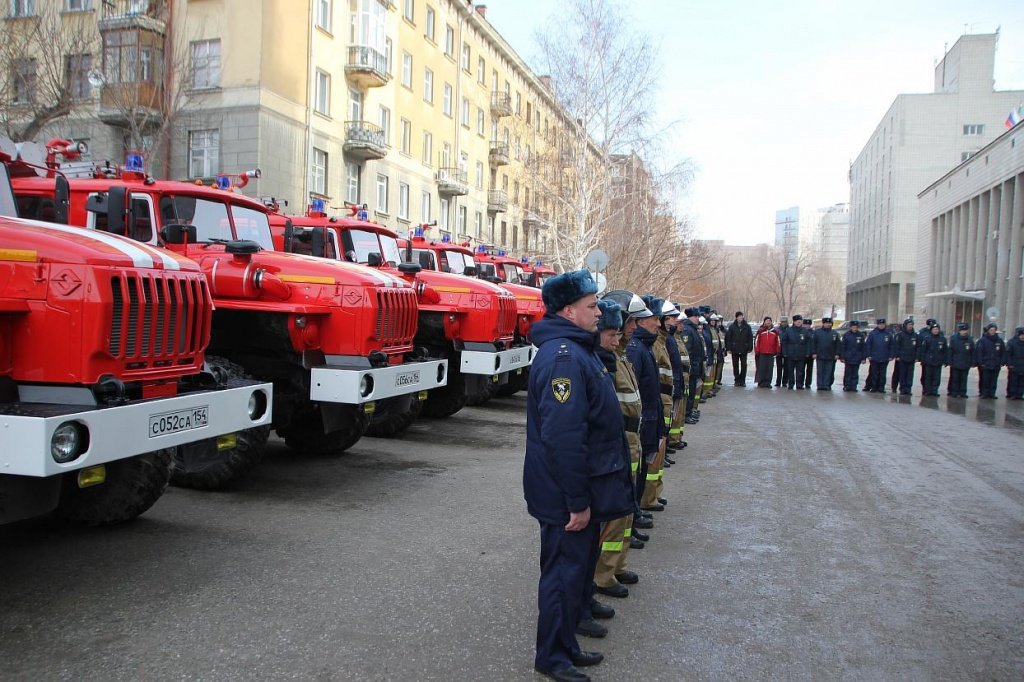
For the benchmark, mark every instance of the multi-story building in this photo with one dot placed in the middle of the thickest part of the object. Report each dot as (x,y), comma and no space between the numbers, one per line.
(417,108)
(970,260)
(787,230)
(918,139)
(832,239)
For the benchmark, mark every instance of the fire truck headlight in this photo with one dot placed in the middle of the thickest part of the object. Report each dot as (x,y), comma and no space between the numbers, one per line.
(69,440)
(300,321)
(257,405)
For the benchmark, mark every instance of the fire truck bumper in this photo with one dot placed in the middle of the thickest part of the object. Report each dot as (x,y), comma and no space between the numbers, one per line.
(42,439)
(484,362)
(354,386)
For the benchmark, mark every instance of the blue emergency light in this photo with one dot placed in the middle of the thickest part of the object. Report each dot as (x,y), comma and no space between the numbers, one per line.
(317,205)
(418,232)
(537,263)
(134,162)
(446,239)
(223,182)
(363,214)
(481,249)
(502,252)
(524,260)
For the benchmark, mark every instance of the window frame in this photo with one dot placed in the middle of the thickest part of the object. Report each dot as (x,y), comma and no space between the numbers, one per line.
(322,94)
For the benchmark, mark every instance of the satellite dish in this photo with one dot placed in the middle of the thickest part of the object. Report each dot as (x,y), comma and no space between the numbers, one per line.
(95,78)
(601,281)
(8,147)
(597,260)
(35,154)
(992,313)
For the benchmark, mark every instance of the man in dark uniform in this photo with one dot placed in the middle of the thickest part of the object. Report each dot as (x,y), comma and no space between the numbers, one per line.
(961,359)
(904,350)
(640,353)
(1015,365)
(691,339)
(826,347)
(852,355)
(794,350)
(576,472)
(933,352)
(923,333)
(878,348)
(780,359)
(809,358)
(991,350)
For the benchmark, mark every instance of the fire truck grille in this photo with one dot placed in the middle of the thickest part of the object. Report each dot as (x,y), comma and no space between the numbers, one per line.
(157,316)
(507,315)
(396,317)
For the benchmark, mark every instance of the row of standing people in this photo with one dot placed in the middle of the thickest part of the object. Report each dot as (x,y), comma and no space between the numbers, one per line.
(796,350)
(613,387)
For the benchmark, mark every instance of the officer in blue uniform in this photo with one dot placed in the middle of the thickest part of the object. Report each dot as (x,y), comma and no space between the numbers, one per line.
(991,351)
(826,347)
(576,472)
(933,352)
(961,359)
(694,343)
(904,350)
(923,334)
(852,355)
(1015,365)
(794,350)
(808,326)
(878,348)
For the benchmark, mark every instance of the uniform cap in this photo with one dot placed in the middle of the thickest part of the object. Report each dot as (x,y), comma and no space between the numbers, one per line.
(963,325)
(1018,331)
(567,288)
(880,320)
(797,318)
(826,320)
(991,325)
(854,323)
(611,315)
(907,321)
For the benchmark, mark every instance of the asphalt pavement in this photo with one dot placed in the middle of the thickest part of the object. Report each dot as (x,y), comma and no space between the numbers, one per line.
(809,536)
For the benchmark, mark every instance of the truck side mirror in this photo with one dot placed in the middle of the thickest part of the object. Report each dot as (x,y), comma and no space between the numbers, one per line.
(470,271)
(373,259)
(118,210)
(61,200)
(289,236)
(318,242)
(409,268)
(178,233)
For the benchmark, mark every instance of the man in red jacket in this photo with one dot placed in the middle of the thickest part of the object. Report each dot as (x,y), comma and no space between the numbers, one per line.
(766,347)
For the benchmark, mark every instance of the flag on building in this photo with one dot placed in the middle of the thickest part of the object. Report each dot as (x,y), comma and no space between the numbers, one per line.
(1015,117)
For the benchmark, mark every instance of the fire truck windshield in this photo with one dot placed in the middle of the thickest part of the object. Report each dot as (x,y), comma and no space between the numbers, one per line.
(458,261)
(514,274)
(212,222)
(7,205)
(487,270)
(364,242)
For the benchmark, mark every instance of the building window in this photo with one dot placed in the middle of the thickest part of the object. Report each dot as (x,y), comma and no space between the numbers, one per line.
(385,123)
(425,207)
(480,125)
(389,56)
(78,66)
(462,220)
(318,173)
(428,24)
(407,70)
(382,193)
(464,114)
(23,8)
(24,77)
(479,175)
(125,62)
(409,10)
(478,224)
(466,57)
(519,103)
(428,147)
(481,71)
(323,14)
(428,85)
(355,105)
(352,182)
(446,155)
(966,155)
(405,126)
(403,201)
(494,80)
(323,93)
(79,5)
(442,218)
(446,101)
(974,129)
(203,153)
(449,41)
(205,64)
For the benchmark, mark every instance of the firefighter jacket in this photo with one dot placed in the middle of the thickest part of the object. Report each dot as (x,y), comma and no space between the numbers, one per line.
(1015,355)
(904,346)
(961,351)
(640,354)
(576,450)
(628,392)
(684,356)
(666,377)
(991,350)
(694,345)
(933,350)
(710,354)
(795,342)
(825,343)
(879,345)
(851,348)
(677,366)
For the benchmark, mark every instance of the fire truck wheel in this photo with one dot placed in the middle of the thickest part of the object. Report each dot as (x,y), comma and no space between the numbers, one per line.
(508,389)
(393,416)
(213,463)
(449,399)
(131,487)
(306,434)
(490,389)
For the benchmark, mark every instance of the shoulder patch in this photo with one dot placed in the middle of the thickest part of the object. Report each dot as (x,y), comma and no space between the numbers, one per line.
(561,388)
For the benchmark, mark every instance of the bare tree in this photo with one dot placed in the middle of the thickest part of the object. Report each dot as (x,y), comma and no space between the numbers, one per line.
(783,275)
(604,75)
(44,61)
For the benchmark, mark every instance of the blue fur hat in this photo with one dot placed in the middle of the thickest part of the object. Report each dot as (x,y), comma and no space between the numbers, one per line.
(654,304)
(611,315)
(569,287)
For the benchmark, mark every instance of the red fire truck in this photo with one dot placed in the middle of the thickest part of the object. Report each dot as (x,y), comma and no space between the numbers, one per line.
(537,272)
(468,321)
(332,337)
(102,370)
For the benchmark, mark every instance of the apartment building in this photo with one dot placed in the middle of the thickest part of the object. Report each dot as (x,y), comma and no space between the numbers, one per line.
(418,109)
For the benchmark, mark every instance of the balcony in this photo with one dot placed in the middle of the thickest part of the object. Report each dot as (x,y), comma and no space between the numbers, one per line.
(452,182)
(148,15)
(132,104)
(366,67)
(497,201)
(534,219)
(498,155)
(501,104)
(365,140)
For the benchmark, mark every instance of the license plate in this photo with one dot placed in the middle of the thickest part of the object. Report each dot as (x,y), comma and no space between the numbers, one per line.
(407,379)
(182,420)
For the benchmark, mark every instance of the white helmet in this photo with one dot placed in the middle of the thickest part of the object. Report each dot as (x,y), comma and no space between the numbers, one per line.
(669,309)
(701,320)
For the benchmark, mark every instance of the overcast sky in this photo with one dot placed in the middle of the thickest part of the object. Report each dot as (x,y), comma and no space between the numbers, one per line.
(773,100)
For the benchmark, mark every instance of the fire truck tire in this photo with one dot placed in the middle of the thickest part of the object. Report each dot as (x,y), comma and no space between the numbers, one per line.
(131,487)
(393,416)
(306,434)
(508,389)
(204,466)
(490,389)
(447,400)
